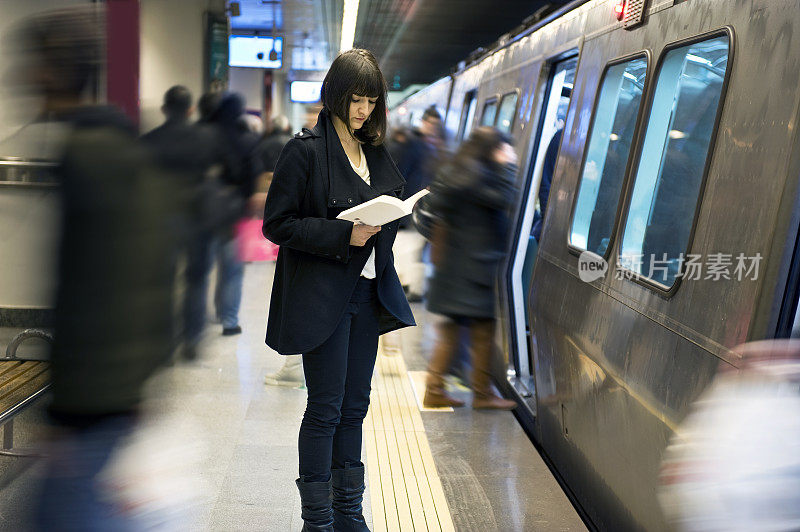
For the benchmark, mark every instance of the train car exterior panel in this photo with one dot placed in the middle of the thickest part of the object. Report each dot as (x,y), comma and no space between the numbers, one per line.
(609,382)
(436,95)
(664,350)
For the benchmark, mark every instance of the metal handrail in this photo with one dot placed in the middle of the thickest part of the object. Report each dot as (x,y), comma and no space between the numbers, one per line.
(11,350)
(16,171)
(33,164)
(22,405)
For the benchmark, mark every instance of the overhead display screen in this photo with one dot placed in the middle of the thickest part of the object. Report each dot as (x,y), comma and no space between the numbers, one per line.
(254,52)
(305,91)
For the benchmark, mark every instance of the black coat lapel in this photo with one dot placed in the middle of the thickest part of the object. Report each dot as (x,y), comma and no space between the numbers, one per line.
(385,176)
(343,188)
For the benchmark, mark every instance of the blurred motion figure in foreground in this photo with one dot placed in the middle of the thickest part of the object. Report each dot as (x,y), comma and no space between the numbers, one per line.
(471,196)
(112,324)
(734,463)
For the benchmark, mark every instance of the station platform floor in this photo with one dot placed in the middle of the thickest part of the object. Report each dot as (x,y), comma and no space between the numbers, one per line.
(442,470)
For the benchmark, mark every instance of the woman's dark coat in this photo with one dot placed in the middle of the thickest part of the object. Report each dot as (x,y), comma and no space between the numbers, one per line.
(472,205)
(317,268)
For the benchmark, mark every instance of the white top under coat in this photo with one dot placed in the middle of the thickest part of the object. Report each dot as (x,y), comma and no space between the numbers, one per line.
(363,172)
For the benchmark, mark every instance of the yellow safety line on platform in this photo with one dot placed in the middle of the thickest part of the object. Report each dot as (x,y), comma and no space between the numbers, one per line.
(404,485)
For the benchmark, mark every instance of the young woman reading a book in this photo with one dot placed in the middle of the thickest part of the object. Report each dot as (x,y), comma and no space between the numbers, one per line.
(335,287)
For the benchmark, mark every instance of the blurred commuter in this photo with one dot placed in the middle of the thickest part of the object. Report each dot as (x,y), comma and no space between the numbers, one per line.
(733,464)
(335,288)
(252,123)
(416,160)
(270,148)
(472,197)
(113,315)
(191,154)
(398,141)
(207,105)
(241,144)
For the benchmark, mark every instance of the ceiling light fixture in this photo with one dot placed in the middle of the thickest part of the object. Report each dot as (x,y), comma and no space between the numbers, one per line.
(349,18)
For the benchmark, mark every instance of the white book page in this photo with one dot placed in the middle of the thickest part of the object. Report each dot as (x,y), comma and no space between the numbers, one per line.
(408,205)
(381,210)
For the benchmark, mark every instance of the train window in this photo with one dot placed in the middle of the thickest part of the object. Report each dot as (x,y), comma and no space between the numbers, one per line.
(468,113)
(672,165)
(489,113)
(508,108)
(613,130)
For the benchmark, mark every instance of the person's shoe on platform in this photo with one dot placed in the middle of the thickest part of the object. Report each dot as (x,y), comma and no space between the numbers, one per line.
(492,401)
(291,374)
(231,331)
(315,505)
(436,397)
(347,489)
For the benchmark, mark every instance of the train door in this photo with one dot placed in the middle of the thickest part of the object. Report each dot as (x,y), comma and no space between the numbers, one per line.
(557,95)
(468,115)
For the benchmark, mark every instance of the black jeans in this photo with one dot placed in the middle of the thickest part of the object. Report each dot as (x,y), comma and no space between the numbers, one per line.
(338,375)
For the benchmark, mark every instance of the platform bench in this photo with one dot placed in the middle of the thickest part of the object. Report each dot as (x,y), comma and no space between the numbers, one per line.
(21,383)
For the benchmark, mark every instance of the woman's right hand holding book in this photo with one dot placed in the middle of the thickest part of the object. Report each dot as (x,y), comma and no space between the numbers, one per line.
(361,233)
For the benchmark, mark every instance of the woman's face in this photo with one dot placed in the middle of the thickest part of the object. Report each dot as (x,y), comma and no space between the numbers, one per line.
(360,109)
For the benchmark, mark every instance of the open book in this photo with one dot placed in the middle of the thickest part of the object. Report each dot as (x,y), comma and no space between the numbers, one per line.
(381,210)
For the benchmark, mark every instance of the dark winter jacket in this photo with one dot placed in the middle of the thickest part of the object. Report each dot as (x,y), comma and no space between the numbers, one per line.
(113,304)
(472,204)
(317,268)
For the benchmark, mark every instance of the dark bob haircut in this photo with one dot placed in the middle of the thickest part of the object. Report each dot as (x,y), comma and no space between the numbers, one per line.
(356,72)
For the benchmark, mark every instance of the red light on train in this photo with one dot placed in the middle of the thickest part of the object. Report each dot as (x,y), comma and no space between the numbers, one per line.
(619,9)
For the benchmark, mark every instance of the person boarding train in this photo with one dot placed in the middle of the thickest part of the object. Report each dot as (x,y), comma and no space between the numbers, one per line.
(335,289)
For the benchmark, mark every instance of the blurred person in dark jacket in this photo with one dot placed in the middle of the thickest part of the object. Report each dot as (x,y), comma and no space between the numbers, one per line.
(241,144)
(206,106)
(269,148)
(417,159)
(273,142)
(397,142)
(190,154)
(112,316)
(472,197)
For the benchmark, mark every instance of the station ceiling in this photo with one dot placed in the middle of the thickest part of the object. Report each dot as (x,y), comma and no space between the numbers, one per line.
(415,41)
(419,41)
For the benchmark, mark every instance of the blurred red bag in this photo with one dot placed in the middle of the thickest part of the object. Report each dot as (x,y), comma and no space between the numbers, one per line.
(252,245)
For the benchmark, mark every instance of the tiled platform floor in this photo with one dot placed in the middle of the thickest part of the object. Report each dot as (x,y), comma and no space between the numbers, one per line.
(242,437)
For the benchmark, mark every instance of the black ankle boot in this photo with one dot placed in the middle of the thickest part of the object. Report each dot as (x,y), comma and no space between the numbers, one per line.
(315,504)
(348,492)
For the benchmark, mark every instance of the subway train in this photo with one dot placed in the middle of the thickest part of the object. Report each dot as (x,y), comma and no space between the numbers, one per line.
(671,229)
